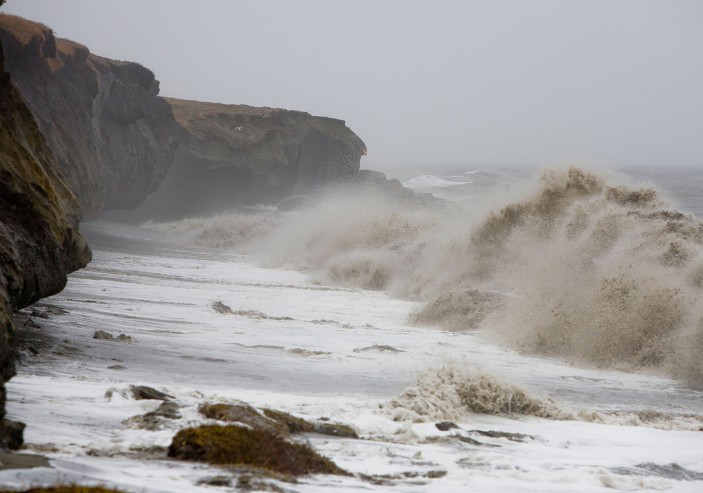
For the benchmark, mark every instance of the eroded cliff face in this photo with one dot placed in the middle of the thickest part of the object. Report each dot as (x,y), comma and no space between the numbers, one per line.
(112,136)
(39,239)
(234,155)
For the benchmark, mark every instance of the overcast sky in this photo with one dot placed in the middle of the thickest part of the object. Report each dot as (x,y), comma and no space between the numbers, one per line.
(608,83)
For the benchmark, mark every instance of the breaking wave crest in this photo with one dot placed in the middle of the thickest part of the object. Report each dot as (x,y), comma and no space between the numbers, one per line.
(454,392)
(451,393)
(579,269)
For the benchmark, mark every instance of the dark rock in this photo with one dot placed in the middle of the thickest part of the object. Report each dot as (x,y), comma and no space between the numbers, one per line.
(300,425)
(221,308)
(11,434)
(514,437)
(389,479)
(670,471)
(112,136)
(335,429)
(39,239)
(256,314)
(101,334)
(446,426)
(140,392)
(116,367)
(381,348)
(39,314)
(231,444)
(168,410)
(154,420)
(216,481)
(293,423)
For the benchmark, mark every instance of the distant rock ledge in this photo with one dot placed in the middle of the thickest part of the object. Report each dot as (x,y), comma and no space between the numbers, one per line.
(234,155)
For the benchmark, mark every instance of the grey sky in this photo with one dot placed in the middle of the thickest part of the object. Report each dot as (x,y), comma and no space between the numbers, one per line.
(438,82)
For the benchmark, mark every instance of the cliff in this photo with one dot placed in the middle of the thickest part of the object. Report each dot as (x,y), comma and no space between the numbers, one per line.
(39,239)
(111,134)
(115,139)
(234,155)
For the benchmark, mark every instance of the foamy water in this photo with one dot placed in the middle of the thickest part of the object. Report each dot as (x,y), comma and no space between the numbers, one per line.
(423,346)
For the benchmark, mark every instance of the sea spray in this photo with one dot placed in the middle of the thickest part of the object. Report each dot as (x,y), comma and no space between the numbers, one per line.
(578,268)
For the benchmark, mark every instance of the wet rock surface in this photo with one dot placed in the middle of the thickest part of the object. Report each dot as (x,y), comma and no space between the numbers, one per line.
(143,392)
(101,334)
(155,420)
(245,414)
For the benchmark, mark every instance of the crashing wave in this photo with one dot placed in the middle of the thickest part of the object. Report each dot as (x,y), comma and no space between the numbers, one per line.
(451,393)
(454,393)
(597,274)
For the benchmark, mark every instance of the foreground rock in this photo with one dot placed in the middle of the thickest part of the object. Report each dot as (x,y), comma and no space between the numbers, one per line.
(39,239)
(231,444)
(111,134)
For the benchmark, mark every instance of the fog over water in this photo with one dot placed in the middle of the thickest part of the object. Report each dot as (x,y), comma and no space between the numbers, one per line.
(508,83)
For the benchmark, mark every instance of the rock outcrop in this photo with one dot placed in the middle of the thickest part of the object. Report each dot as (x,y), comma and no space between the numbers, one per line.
(39,239)
(111,134)
(233,155)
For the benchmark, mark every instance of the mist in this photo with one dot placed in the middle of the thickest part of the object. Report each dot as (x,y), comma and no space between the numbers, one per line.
(481,83)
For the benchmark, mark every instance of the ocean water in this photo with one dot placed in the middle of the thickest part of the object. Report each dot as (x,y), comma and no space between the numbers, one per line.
(391,320)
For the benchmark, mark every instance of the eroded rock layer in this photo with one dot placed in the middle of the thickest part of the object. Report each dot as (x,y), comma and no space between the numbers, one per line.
(112,136)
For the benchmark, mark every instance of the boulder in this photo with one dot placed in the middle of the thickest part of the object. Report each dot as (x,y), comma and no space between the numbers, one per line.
(223,445)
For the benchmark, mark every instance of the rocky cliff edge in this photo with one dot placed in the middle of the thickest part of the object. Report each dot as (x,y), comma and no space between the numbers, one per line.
(39,239)
(111,134)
